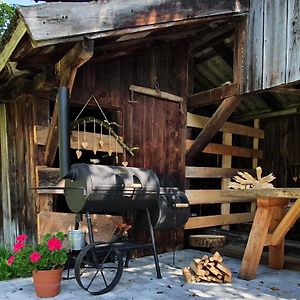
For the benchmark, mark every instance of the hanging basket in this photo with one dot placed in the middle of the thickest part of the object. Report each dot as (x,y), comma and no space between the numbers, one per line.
(47,282)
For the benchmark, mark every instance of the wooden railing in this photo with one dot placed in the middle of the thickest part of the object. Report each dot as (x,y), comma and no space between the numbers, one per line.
(224,173)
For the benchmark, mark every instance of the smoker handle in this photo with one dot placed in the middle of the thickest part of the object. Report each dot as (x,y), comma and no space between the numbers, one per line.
(181,205)
(134,186)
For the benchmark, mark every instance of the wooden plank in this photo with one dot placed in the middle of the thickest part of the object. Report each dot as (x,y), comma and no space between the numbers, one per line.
(293,41)
(45,202)
(274,56)
(6,208)
(212,197)
(201,121)
(264,193)
(52,222)
(207,172)
(212,96)
(285,90)
(255,243)
(207,221)
(46,23)
(229,150)
(12,43)
(254,61)
(42,131)
(155,93)
(286,223)
(213,126)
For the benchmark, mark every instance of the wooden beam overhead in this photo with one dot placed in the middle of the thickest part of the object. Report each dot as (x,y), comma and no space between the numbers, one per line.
(12,44)
(212,96)
(213,126)
(45,21)
(67,69)
(213,37)
(268,115)
(285,91)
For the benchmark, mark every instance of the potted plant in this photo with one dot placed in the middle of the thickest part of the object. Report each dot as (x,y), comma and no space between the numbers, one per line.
(45,262)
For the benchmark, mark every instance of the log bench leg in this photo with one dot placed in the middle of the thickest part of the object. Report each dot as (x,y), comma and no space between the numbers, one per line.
(256,242)
(276,253)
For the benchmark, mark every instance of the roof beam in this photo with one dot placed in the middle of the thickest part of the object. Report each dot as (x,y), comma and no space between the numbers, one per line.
(67,69)
(212,96)
(268,115)
(285,91)
(45,21)
(12,43)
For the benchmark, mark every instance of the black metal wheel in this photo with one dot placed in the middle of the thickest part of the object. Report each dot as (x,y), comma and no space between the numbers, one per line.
(98,268)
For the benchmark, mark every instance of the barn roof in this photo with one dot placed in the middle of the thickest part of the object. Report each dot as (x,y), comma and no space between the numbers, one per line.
(44,33)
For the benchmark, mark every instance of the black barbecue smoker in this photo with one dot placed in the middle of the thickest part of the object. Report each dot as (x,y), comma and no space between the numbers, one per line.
(107,189)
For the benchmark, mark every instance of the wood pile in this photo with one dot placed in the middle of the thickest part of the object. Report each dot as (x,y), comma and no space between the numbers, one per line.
(208,269)
(246,181)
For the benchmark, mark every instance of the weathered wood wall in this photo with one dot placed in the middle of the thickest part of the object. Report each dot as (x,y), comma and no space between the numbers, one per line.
(156,126)
(273,45)
(18,173)
(281,150)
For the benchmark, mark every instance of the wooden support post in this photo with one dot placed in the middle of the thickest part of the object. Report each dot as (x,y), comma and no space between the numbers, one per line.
(256,241)
(7,237)
(67,69)
(255,160)
(276,252)
(226,163)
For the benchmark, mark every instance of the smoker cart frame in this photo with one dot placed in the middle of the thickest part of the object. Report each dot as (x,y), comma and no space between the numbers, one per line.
(106,259)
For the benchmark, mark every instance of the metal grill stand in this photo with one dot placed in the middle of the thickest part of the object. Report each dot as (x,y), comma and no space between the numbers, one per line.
(105,260)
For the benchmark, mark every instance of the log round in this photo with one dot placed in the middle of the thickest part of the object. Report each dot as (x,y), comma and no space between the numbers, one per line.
(207,241)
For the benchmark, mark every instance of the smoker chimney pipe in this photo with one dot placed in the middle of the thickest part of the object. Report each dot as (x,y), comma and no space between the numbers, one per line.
(64,130)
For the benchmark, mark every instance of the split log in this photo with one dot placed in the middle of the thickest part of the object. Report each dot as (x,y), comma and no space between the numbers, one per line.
(188,276)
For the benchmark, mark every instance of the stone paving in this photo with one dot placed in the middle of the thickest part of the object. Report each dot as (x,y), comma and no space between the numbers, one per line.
(139,282)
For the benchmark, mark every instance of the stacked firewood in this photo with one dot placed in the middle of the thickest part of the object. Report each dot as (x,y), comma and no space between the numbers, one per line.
(209,269)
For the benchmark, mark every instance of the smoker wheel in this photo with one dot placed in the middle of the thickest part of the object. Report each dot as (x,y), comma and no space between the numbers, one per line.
(98,268)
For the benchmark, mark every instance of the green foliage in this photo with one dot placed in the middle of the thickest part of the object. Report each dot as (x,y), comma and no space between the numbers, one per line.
(5,270)
(7,12)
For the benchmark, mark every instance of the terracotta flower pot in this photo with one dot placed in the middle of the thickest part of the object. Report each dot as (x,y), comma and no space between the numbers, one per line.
(47,282)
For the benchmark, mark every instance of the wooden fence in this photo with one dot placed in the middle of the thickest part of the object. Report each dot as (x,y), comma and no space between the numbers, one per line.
(223,173)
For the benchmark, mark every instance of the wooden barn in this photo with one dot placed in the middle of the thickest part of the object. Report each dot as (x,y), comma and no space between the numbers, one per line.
(195,90)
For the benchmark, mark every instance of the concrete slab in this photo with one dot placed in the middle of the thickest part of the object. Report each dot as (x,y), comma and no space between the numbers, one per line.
(139,282)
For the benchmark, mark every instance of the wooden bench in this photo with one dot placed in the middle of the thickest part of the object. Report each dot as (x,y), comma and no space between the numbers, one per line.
(270,225)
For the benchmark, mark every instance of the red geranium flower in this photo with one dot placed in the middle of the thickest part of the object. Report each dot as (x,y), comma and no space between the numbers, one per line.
(10,260)
(35,257)
(18,247)
(21,238)
(54,244)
